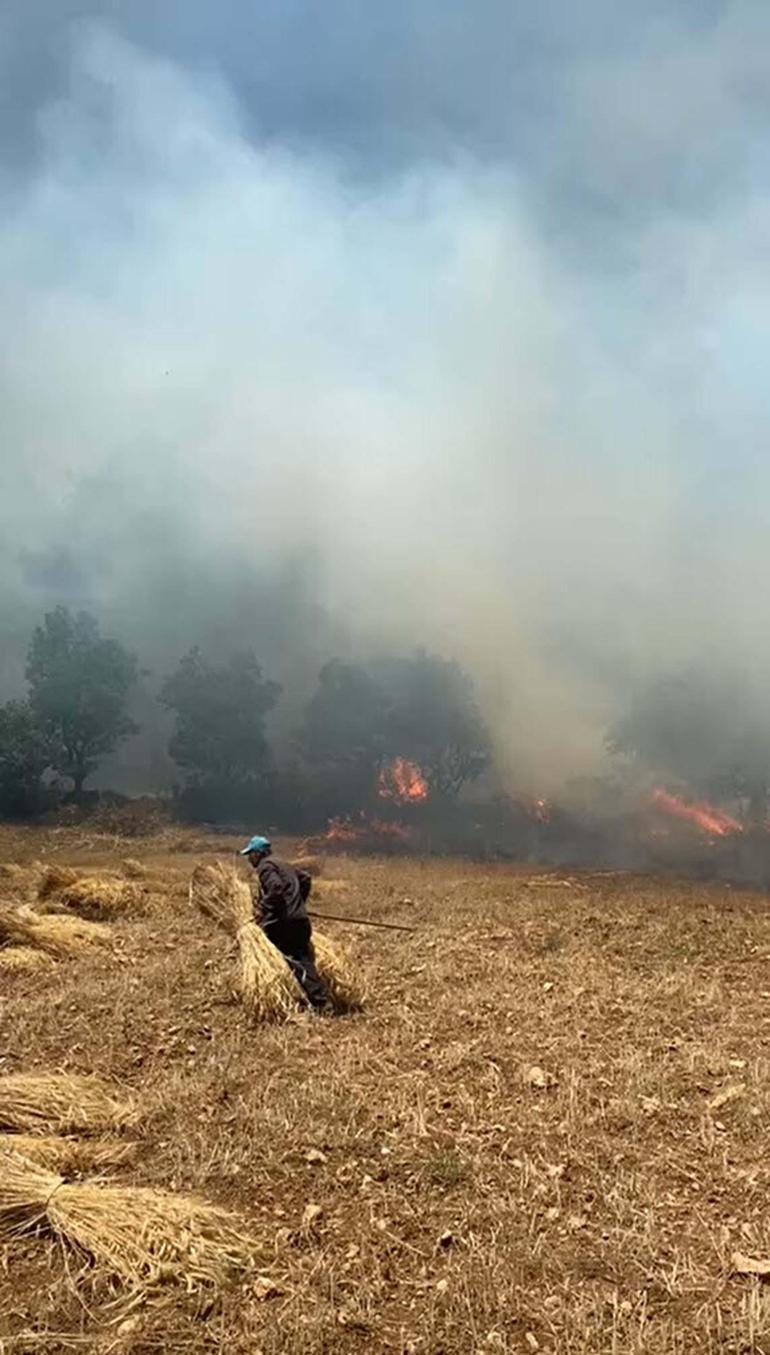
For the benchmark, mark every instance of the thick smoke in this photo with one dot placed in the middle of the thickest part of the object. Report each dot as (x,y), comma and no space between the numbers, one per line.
(506,404)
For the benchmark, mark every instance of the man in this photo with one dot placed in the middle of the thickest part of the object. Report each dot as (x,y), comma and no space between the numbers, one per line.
(279,902)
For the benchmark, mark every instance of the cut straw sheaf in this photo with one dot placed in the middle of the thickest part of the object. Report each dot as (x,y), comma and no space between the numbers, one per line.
(336,969)
(54,933)
(54,878)
(69,1156)
(267,986)
(138,1235)
(25,959)
(96,897)
(62,1103)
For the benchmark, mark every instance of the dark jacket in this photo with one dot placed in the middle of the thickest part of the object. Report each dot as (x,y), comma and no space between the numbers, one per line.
(280,893)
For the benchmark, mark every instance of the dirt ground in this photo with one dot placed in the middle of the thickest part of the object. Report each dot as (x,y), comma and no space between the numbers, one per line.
(548,1130)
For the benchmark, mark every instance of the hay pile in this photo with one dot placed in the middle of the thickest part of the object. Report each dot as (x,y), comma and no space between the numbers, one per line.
(68,1156)
(336,969)
(132,869)
(135,1234)
(25,959)
(267,986)
(11,872)
(55,934)
(61,1103)
(54,878)
(98,897)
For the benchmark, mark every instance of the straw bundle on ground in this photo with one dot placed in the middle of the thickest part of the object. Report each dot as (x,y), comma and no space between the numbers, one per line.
(336,970)
(56,934)
(135,1234)
(24,959)
(267,985)
(69,1156)
(54,878)
(132,869)
(10,870)
(99,896)
(49,1103)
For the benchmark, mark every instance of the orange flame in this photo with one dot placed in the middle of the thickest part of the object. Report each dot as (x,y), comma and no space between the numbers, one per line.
(403,782)
(705,816)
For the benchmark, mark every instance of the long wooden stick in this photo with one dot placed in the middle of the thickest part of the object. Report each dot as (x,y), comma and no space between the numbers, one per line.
(362,922)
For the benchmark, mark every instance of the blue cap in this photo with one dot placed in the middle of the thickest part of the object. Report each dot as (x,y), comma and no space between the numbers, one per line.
(256,844)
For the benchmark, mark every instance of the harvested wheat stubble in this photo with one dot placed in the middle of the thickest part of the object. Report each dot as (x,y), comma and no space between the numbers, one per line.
(267,985)
(58,935)
(135,1234)
(24,959)
(49,1103)
(69,1156)
(99,897)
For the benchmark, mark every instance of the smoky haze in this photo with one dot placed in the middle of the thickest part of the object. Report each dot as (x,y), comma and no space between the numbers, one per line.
(424,328)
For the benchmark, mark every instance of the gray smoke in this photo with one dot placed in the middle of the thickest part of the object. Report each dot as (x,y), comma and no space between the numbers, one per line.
(401,327)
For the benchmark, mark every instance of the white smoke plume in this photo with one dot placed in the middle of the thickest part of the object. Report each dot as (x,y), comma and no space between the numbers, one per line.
(252,397)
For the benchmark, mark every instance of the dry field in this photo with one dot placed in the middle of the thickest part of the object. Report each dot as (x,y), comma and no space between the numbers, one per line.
(547,1132)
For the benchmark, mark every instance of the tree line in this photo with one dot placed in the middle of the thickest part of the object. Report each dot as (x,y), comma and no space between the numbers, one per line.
(360,717)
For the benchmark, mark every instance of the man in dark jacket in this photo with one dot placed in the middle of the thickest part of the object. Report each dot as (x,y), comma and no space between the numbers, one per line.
(279,905)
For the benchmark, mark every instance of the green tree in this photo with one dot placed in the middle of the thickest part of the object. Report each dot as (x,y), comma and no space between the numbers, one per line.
(79,685)
(25,754)
(432,719)
(343,738)
(420,708)
(219,719)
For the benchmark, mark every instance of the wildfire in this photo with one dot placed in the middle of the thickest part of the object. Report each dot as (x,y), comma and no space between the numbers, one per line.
(403,782)
(707,817)
(349,830)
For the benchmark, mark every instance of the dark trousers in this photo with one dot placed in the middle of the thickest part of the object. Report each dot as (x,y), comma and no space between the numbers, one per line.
(294,940)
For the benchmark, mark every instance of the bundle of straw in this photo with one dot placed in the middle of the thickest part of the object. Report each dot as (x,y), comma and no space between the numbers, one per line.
(69,1156)
(10,870)
(58,935)
(135,1234)
(98,896)
(54,878)
(267,986)
(132,869)
(24,958)
(49,1103)
(336,970)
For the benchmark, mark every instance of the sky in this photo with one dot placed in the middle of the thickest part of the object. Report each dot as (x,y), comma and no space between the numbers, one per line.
(341,329)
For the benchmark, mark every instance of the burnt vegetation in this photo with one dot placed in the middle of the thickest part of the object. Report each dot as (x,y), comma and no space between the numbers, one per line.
(390,752)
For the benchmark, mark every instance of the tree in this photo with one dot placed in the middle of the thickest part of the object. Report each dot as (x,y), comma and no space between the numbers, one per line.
(79,685)
(420,708)
(219,717)
(433,720)
(343,737)
(705,729)
(25,754)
